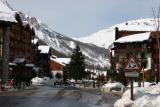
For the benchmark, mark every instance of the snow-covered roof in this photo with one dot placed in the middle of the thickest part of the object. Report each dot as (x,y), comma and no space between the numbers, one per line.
(6,14)
(134,38)
(12,64)
(7,17)
(19,60)
(53,56)
(44,48)
(62,61)
(29,65)
(147,24)
(4,8)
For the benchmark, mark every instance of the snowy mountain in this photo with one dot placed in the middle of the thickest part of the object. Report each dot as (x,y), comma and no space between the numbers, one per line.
(61,44)
(104,38)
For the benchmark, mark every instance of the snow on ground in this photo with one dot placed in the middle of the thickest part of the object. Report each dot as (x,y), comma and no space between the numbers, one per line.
(148,96)
(116,86)
(40,81)
(135,84)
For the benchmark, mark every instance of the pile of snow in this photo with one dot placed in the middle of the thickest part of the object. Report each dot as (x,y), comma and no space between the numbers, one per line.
(40,81)
(143,97)
(45,81)
(114,86)
(36,81)
(73,80)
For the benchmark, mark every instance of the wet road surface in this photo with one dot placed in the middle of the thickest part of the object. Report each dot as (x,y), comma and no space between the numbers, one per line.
(46,96)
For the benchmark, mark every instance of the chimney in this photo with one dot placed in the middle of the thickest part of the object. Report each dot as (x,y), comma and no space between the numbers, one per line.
(116,33)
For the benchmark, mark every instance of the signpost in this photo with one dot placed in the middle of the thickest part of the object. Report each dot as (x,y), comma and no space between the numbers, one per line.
(131,71)
(132,74)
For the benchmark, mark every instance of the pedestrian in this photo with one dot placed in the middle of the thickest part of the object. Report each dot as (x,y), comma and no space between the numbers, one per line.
(94,84)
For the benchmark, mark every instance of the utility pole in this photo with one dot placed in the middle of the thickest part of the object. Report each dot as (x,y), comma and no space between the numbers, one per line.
(157,62)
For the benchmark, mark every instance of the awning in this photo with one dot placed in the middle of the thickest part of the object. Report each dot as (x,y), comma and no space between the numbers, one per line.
(134,38)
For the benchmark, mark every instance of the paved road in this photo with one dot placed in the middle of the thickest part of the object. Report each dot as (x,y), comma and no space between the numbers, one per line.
(45,96)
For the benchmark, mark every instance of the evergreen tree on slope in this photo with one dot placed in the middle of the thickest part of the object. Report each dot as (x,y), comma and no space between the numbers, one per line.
(77,64)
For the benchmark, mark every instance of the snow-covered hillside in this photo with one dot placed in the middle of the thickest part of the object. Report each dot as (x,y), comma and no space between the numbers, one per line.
(60,43)
(63,44)
(105,37)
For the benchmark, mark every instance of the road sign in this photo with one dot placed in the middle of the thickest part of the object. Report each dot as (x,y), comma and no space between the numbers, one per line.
(132,74)
(132,64)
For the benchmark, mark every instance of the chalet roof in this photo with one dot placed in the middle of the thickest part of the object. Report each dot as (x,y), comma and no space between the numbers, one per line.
(134,38)
(6,13)
(44,48)
(10,15)
(62,61)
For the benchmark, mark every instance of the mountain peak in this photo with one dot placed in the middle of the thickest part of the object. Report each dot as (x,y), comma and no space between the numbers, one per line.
(105,37)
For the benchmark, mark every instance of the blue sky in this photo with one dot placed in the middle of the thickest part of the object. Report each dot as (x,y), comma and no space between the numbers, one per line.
(78,18)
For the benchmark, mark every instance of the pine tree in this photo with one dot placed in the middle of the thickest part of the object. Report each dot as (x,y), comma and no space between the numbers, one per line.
(76,67)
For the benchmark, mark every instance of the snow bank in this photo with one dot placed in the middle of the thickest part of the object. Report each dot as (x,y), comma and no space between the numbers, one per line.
(36,81)
(114,86)
(144,97)
(135,84)
(40,81)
